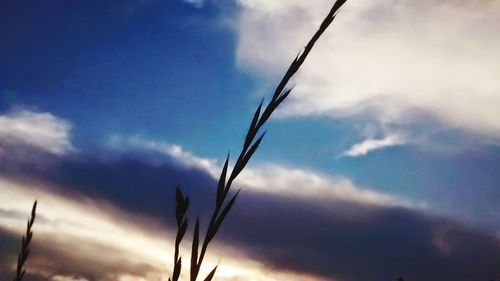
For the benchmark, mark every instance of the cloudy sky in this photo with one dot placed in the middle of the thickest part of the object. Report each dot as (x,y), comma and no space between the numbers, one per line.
(383,162)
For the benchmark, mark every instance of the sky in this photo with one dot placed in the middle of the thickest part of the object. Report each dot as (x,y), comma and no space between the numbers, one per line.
(383,161)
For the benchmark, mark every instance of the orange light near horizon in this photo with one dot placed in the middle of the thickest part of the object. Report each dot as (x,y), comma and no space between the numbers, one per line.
(86,233)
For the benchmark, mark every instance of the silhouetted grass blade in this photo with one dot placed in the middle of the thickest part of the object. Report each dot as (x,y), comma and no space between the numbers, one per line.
(338,4)
(177,269)
(252,131)
(222,183)
(182,204)
(283,97)
(224,213)
(25,243)
(251,151)
(211,274)
(243,160)
(182,231)
(258,121)
(194,251)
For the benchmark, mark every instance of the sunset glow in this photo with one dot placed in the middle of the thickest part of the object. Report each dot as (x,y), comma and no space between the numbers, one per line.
(381,163)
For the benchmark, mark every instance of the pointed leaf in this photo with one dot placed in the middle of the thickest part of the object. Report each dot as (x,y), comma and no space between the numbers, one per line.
(179,206)
(185,205)
(222,183)
(211,275)
(241,163)
(222,216)
(283,97)
(253,127)
(238,166)
(33,210)
(179,197)
(194,251)
(256,115)
(294,66)
(177,270)
(19,258)
(338,4)
(252,150)
(267,113)
(182,231)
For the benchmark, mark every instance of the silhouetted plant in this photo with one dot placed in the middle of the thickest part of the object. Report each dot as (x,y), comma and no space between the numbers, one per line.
(252,141)
(26,240)
(182,204)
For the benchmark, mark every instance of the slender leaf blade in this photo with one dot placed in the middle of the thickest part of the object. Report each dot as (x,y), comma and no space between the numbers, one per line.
(211,274)
(194,250)
(223,214)
(222,183)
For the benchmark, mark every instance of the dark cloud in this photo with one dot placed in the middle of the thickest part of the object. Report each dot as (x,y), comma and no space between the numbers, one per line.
(355,242)
(9,244)
(344,240)
(135,183)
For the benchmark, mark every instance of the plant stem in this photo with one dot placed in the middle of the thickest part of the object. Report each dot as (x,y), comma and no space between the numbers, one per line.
(26,240)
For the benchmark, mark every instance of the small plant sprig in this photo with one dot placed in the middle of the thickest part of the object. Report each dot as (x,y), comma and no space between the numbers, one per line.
(222,204)
(26,240)
(182,204)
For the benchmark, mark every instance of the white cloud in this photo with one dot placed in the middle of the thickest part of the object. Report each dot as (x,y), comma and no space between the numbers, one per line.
(370,145)
(196,3)
(393,60)
(67,278)
(42,131)
(309,185)
(175,151)
(278,179)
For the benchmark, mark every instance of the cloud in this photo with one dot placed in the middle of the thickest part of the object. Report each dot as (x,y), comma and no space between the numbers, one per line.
(121,203)
(288,224)
(335,242)
(175,151)
(369,145)
(268,237)
(275,179)
(24,129)
(196,3)
(72,232)
(283,181)
(394,61)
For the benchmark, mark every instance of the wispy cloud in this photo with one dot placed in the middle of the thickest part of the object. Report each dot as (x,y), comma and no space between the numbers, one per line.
(395,61)
(173,150)
(196,3)
(30,129)
(279,180)
(369,145)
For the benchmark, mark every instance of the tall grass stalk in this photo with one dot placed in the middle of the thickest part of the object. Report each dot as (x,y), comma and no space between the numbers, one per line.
(224,201)
(25,244)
